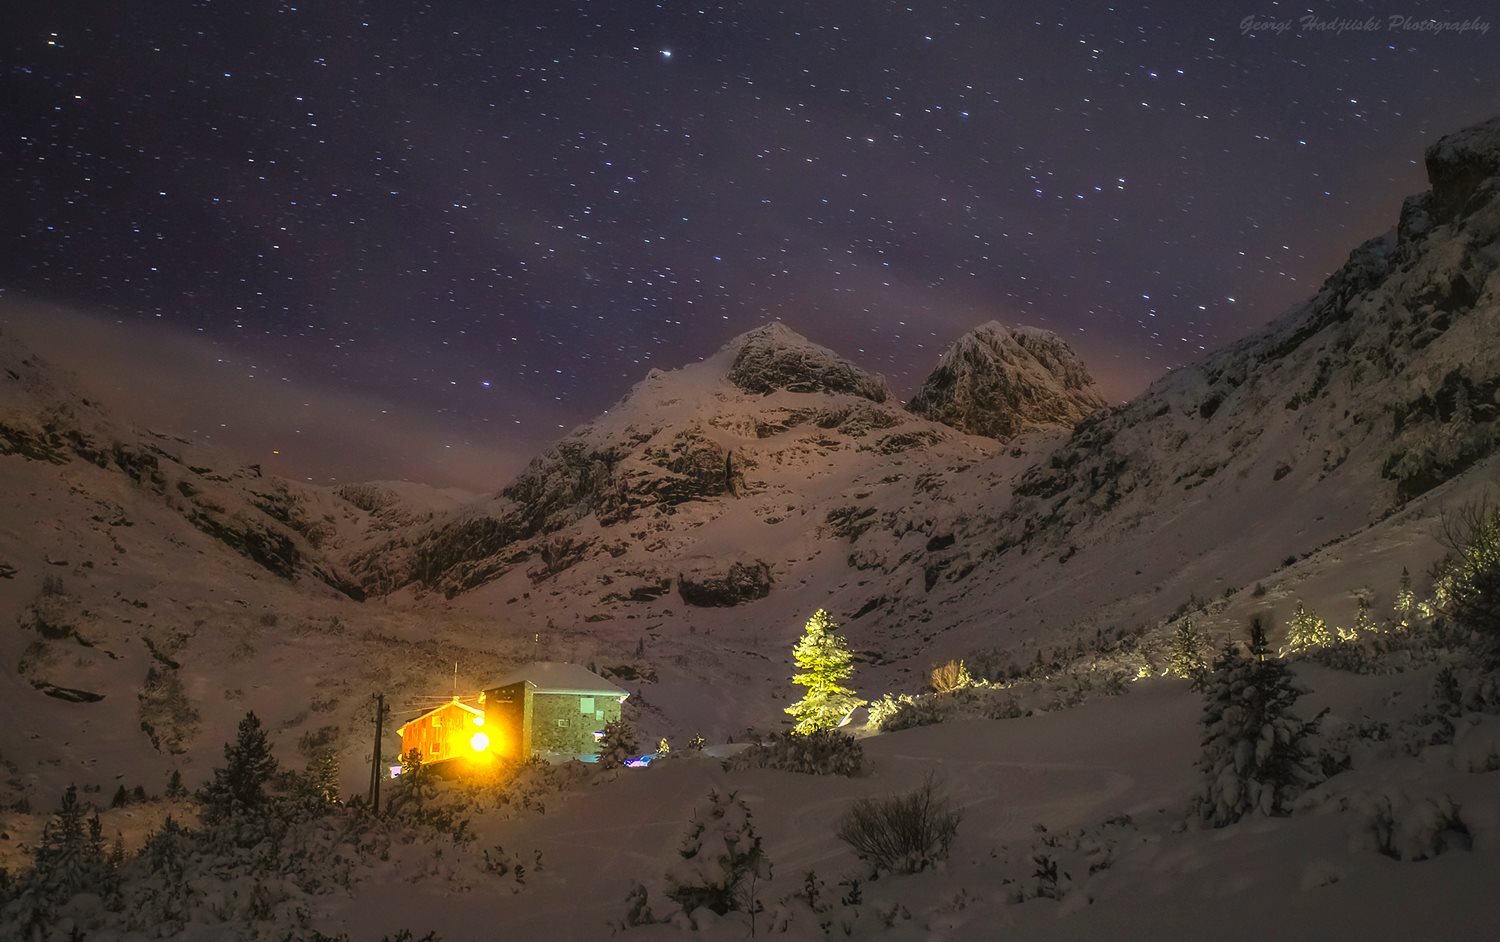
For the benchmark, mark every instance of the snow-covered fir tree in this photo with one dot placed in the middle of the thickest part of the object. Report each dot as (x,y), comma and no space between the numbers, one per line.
(825,662)
(721,858)
(1255,749)
(618,744)
(1185,656)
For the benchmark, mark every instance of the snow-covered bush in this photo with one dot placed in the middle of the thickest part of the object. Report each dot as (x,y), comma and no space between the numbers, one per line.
(618,743)
(637,908)
(1255,749)
(721,859)
(1060,865)
(502,863)
(828,752)
(840,912)
(916,711)
(1404,828)
(904,833)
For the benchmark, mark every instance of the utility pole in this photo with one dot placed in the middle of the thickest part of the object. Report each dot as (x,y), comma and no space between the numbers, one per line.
(375,753)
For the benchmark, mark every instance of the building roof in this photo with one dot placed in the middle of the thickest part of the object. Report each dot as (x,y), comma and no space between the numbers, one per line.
(560,677)
(451,703)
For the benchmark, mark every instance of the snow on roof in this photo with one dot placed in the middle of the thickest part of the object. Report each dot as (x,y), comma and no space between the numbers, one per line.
(560,677)
(455,702)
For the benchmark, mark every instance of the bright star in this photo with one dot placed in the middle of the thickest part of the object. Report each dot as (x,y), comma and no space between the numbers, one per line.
(666,53)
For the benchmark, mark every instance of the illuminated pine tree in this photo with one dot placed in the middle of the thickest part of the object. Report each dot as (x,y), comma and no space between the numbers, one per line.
(1406,601)
(1185,657)
(1364,624)
(1467,588)
(1305,631)
(825,661)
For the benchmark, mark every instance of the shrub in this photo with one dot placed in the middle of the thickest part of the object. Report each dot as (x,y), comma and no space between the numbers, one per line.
(1405,829)
(828,752)
(904,833)
(950,676)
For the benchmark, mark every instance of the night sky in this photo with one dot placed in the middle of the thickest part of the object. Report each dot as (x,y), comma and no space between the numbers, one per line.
(401,239)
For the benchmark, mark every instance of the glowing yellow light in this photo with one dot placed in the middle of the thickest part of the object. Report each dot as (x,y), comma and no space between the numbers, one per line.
(480,742)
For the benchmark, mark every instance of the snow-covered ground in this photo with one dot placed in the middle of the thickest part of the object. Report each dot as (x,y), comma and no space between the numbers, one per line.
(1073,774)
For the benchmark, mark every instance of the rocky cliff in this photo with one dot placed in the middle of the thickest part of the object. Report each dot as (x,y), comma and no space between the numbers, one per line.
(1002,381)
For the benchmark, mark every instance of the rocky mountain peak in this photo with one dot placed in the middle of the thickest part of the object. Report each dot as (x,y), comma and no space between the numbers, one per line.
(774,356)
(1460,164)
(1001,381)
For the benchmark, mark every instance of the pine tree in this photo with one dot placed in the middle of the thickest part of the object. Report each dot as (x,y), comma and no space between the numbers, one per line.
(69,859)
(1406,601)
(663,748)
(1364,624)
(175,789)
(1185,657)
(721,854)
(1255,749)
(323,775)
(1305,631)
(1466,590)
(239,788)
(825,660)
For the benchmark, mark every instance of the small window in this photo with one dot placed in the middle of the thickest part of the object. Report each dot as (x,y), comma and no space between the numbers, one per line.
(437,721)
(585,704)
(598,714)
(562,723)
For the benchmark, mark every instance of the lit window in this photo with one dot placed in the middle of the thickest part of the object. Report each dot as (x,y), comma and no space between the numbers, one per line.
(585,704)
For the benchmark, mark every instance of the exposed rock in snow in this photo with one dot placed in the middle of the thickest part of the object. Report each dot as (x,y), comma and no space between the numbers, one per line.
(718,583)
(776,357)
(1000,381)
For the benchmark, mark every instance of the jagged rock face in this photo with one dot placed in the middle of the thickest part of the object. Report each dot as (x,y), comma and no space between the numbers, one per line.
(774,357)
(720,583)
(1000,382)
(1460,164)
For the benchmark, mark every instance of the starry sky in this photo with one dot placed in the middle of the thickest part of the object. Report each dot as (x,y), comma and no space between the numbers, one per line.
(391,238)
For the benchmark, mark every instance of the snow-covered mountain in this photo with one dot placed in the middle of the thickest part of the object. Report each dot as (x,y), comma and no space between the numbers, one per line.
(1003,381)
(680,539)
